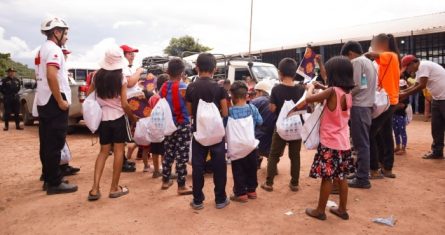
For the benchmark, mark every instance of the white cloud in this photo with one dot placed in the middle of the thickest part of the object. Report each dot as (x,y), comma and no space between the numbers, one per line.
(16,46)
(119,24)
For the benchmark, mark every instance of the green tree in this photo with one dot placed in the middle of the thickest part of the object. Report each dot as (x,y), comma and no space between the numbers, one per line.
(22,70)
(184,43)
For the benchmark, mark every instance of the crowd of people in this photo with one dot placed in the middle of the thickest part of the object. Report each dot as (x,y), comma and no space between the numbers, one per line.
(248,110)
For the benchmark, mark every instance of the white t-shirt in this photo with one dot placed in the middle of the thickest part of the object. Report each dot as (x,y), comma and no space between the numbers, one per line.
(50,54)
(135,90)
(436,78)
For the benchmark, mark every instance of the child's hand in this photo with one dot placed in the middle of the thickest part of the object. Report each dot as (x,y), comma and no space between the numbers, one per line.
(318,85)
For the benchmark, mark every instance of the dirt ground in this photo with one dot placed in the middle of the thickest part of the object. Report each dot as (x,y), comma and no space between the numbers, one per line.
(416,198)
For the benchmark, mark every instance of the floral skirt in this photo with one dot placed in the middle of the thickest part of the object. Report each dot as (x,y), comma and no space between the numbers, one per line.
(332,164)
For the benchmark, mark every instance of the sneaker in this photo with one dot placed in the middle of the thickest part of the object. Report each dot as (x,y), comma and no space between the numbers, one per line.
(62,188)
(45,185)
(242,198)
(223,204)
(197,206)
(356,183)
(128,168)
(431,155)
(293,188)
(252,195)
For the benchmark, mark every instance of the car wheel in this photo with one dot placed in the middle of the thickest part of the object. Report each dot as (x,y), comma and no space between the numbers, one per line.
(28,119)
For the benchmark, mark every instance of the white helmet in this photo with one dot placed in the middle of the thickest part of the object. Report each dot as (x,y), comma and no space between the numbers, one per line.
(52,23)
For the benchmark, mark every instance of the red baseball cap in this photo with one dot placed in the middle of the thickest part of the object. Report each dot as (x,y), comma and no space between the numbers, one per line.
(407,60)
(127,48)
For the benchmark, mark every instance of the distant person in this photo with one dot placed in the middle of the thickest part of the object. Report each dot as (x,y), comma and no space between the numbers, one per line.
(52,99)
(10,87)
(244,168)
(333,160)
(206,89)
(400,122)
(251,82)
(386,55)
(111,91)
(132,74)
(157,150)
(286,90)
(265,131)
(432,76)
(363,95)
(177,145)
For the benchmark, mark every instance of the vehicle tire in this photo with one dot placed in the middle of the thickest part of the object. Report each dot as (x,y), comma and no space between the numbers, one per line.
(28,119)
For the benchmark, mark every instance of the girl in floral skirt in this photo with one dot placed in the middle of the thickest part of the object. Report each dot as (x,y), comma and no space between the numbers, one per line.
(333,161)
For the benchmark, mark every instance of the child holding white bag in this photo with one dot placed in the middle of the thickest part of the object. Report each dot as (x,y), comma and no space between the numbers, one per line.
(243,152)
(333,160)
(111,90)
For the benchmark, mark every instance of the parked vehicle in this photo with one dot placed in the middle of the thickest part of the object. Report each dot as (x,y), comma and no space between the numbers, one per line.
(27,95)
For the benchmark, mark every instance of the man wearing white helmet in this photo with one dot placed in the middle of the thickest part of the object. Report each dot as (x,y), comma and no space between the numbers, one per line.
(53,97)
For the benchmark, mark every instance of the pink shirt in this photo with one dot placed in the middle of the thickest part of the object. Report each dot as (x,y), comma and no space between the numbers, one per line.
(334,129)
(112,108)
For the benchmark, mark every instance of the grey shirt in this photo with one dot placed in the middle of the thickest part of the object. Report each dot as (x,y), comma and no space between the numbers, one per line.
(365,77)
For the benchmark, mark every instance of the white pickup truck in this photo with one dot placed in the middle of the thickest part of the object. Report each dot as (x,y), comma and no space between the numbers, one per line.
(27,94)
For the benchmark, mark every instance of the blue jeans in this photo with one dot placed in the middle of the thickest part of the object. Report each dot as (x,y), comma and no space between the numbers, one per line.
(414,101)
(219,166)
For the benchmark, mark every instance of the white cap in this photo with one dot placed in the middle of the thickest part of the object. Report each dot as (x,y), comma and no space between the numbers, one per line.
(54,22)
(114,59)
(264,85)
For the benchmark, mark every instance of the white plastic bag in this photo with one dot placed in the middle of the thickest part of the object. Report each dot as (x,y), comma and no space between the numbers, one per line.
(381,103)
(65,156)
(311,129)
(92,112)
(409,114)
(289,127)
(161,122)
(240,137)
(209,124)
(141,132)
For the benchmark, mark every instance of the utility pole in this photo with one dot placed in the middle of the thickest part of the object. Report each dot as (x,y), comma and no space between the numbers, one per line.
(250,34)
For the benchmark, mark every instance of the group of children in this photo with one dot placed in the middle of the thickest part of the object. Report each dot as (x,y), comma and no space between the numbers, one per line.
(332,162)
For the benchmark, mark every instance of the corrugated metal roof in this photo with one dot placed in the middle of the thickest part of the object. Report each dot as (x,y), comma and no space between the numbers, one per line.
(416,25)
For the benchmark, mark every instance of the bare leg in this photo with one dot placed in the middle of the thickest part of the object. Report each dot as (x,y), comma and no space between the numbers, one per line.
(145,154)
(156,162)
(325,191)
(130,151)
(99,167)
(343,195)
(117,166)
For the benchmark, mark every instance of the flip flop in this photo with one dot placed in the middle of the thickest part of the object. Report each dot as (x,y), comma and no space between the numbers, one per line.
(310,212)
(92,197)
(122,192)
(344,215)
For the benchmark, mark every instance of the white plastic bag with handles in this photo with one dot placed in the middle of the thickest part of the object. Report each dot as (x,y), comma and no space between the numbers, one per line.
(92,112)
(381,103)
(209,124)
(289,127)
(240,137)
(141,132)
(65,156)
(161,122)
(311,129)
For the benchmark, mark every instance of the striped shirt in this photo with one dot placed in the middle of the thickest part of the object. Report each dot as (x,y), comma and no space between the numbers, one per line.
(174,92)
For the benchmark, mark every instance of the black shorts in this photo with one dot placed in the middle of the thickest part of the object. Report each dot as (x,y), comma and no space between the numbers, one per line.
(157,148)
(116,131)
